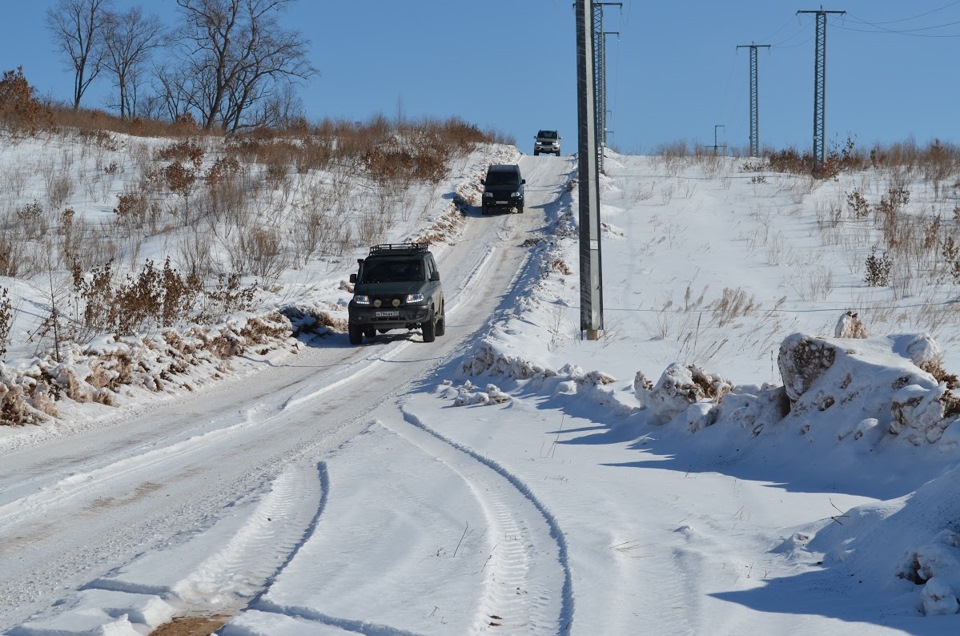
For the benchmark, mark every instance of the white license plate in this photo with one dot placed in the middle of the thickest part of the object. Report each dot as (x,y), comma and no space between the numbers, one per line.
(388,314)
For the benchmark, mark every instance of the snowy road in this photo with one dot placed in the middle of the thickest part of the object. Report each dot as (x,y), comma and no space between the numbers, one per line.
(76,511)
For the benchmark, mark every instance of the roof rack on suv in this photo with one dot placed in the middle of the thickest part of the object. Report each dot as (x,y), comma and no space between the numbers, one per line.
(398,248)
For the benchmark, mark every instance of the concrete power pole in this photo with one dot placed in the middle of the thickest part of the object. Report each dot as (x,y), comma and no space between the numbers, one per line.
(754,108)
(591,292)
(819,88)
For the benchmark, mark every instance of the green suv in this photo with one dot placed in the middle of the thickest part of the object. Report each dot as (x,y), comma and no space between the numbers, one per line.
(397,286)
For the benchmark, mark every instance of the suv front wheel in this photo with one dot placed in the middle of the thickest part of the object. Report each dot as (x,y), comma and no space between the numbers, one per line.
(429,329)
(355,335)
(441,326)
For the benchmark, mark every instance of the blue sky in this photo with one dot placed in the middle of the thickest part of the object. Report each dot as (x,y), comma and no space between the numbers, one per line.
(674,70)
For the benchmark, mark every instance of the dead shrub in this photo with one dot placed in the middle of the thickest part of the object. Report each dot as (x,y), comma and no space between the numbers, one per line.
(183,151)
(19,109)
(222,169)
(179,179)
(12,255)
(131,210)
(15,409)
(99,138)
(151,298)
(789,161)
(59,186)
(878,269)
(32,221)
(276,174)
(229,296)
(6,320)
(858,204)
(258,252)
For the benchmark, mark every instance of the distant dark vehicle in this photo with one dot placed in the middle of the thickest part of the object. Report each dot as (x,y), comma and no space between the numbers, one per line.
(503,188)
(547,141)
(397,286)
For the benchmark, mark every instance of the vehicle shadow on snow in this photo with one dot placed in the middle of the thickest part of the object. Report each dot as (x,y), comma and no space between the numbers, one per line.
(311,331)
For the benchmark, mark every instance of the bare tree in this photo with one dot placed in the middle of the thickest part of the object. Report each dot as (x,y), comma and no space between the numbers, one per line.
(236,55)
(129,38)
(77,27)
(172,97)
(283,108)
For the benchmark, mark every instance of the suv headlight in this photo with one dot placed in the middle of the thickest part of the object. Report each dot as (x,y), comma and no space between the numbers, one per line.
(488,195)
(361,299)
(414,299)
(515,194)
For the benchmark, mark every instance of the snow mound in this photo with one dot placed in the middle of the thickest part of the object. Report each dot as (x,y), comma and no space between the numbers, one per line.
(889,379)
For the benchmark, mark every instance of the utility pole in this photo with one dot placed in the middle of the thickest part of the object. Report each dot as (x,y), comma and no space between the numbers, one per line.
(754,107)
(819,87)
(716,145)
(588,184)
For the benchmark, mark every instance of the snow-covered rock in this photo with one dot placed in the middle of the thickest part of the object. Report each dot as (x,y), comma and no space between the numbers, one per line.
(680,386)
(890,380)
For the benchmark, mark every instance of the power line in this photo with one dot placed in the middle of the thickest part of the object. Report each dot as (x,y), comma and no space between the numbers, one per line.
(916,32)
(920,15)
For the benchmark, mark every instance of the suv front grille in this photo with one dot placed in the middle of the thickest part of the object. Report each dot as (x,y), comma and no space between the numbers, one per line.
(387,301)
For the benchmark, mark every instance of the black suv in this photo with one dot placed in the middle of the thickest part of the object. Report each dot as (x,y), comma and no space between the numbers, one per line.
(503,188)
(396,287)
(547,141)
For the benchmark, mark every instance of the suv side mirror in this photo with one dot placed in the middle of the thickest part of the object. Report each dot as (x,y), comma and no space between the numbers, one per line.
(434,276)
(483,182)
(523,180)
(353,279)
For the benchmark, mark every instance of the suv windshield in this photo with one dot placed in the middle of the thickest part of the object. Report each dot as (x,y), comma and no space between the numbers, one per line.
(393,271)
(502,177)
(547,134)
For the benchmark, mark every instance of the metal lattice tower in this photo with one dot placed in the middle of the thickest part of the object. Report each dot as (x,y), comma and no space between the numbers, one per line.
(820,88)
(754,101)
(604,129)
(600,77)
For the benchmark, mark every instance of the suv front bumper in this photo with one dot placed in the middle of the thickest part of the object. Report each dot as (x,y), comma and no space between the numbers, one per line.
(552,148)
(369,317)
(502,200)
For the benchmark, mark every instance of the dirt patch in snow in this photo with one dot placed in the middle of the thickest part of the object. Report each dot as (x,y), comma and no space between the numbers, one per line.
(191,626)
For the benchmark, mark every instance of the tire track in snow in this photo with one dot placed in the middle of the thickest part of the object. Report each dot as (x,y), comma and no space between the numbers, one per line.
(256,555)
(529,583)
(233,576)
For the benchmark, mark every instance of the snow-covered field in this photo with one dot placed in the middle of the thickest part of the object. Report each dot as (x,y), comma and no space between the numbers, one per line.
(718,462)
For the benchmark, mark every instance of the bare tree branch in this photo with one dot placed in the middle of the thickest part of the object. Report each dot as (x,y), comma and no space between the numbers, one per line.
(76,26)
(236,54)
(129,39)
